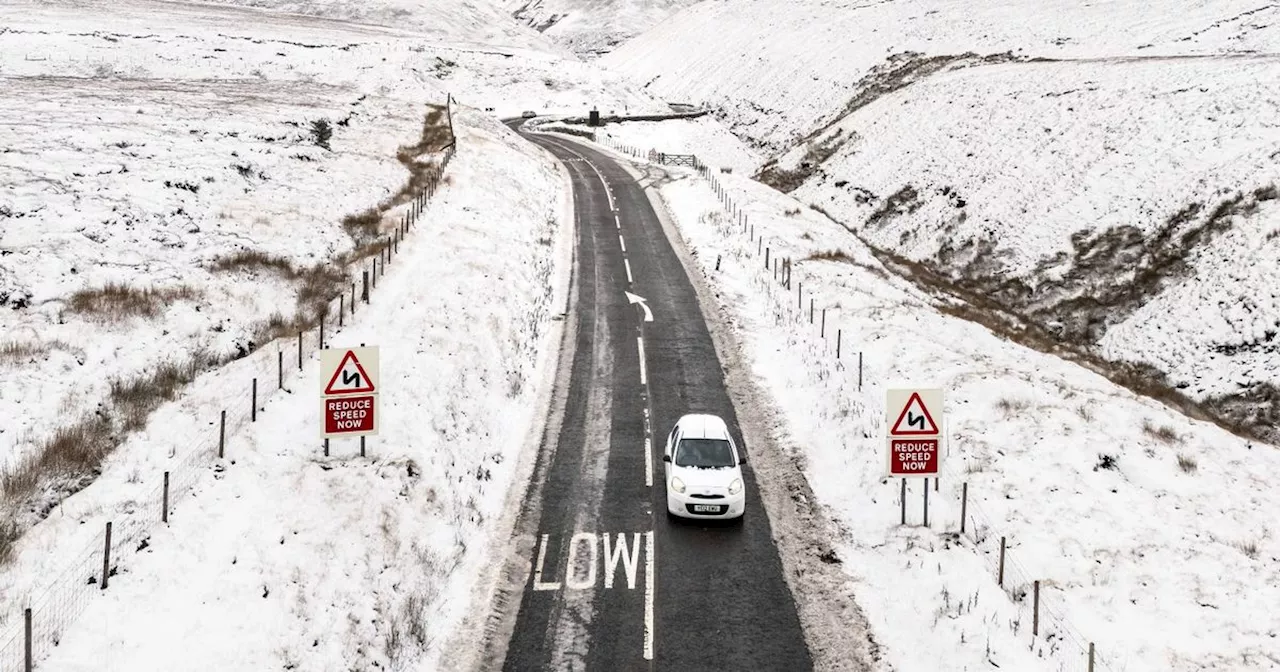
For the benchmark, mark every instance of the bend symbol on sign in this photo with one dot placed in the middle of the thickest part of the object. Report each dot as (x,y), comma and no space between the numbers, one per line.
(351,396)
(914,438)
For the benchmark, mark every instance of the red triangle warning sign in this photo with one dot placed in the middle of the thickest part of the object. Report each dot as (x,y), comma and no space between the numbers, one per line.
(917,419)
(349,377)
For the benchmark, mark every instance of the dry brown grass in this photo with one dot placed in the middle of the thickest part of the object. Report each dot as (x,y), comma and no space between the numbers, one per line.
(1163,433)
(1187,464)
(16,351)
(116,301)
(829,255)
(1249,548)
(1011,406)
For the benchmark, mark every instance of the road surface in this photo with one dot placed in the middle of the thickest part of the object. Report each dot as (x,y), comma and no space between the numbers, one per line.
(609,582)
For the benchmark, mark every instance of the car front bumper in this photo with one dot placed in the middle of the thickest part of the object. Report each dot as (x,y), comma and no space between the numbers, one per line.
(731,506)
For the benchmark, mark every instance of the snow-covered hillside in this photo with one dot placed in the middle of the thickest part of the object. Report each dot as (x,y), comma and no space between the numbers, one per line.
(1106,172)
(593,27)
(166,195)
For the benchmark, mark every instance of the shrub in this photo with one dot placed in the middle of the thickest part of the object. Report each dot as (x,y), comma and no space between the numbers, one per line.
(321,132)
(116,301)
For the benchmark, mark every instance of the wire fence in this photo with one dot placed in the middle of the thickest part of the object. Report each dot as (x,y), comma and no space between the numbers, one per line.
(1039,613)
(200,446)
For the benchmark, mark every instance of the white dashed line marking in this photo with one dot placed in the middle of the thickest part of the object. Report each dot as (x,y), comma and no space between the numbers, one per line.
(644,377)
(627,262)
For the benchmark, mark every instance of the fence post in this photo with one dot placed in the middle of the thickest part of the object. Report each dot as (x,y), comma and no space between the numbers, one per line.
(299,350)
(364,293)
(1035,610)
(222,434)
(799,296)
(839,333)
(253,412)
(859,370)
(322,332)
(1090,648)
(353,298)
(375,274)
(106,557)
(362,446)
(823,331)
(1000,576)
(326,446)
(964,503)
(28,665)
(280,368)
(811,310)
(342,308)
(164,513)
(766,258)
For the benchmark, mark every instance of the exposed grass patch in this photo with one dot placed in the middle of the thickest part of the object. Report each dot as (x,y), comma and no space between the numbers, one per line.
(16,351)
(1187,464)
(829,255)
(1011,406)
(1249,548)
(1163,433)
(116,301)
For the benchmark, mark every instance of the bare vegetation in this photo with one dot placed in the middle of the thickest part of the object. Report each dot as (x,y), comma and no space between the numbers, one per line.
(1187,464)
(17,351)
(1249,548)
(829,255)
(116,301)
(1162,433)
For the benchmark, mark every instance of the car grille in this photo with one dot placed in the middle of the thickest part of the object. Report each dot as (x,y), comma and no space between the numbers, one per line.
(702,496)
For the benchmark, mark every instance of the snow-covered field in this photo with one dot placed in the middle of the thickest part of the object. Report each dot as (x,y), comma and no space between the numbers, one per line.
(146,141)
(709,139)
(778,71)
(324,563)
(1107,171)
(593,27)
(1165,557)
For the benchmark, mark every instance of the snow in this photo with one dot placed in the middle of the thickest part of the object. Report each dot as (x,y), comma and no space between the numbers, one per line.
(1163,568)
(593,27)
(325,563)
(106,104)
(704,136)
(780,70)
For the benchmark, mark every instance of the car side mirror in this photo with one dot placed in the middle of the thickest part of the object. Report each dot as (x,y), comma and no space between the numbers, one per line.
(666,458)
(742,459)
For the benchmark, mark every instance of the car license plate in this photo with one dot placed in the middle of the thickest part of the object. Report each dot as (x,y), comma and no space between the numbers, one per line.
(707,508)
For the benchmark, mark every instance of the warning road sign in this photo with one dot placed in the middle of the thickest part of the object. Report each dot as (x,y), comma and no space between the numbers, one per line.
(350,416)
(913,418)
(349,390)
(349,370)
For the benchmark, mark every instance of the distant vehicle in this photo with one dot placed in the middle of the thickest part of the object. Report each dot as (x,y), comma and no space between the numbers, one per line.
(529,114)
(703,469)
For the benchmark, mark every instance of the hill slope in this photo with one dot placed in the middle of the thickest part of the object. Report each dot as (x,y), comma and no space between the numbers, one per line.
(1104,174)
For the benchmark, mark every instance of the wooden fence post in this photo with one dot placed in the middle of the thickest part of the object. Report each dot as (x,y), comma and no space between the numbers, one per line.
(322,332)
(222,434)
(839,333)
(361,446)
(823,330)
(811,310)
(280,369)
(1090,654)
(29,659)
(106,557)
(964,504)
(299,350)
(1000,576)
(253,410)
(164,512)
(766,258)
(342,308)
(1035,610)
(364,293)
(326,446)
(859,370)
(353,298)
(375,274)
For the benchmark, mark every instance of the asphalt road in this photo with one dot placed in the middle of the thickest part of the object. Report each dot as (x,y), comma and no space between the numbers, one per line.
(612,584)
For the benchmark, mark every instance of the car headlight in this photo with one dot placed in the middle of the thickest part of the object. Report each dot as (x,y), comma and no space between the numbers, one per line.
(677,484)
(736,486)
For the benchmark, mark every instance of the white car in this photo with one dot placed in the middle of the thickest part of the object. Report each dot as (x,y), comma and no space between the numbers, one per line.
(703,470)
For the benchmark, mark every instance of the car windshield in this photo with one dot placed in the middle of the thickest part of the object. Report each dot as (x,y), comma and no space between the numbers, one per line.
(704,453)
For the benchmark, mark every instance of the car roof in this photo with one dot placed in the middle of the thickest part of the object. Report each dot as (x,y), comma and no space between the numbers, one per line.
(703,426)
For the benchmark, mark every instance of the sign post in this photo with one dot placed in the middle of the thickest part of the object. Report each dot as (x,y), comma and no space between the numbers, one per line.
(349,391)
(913,423)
